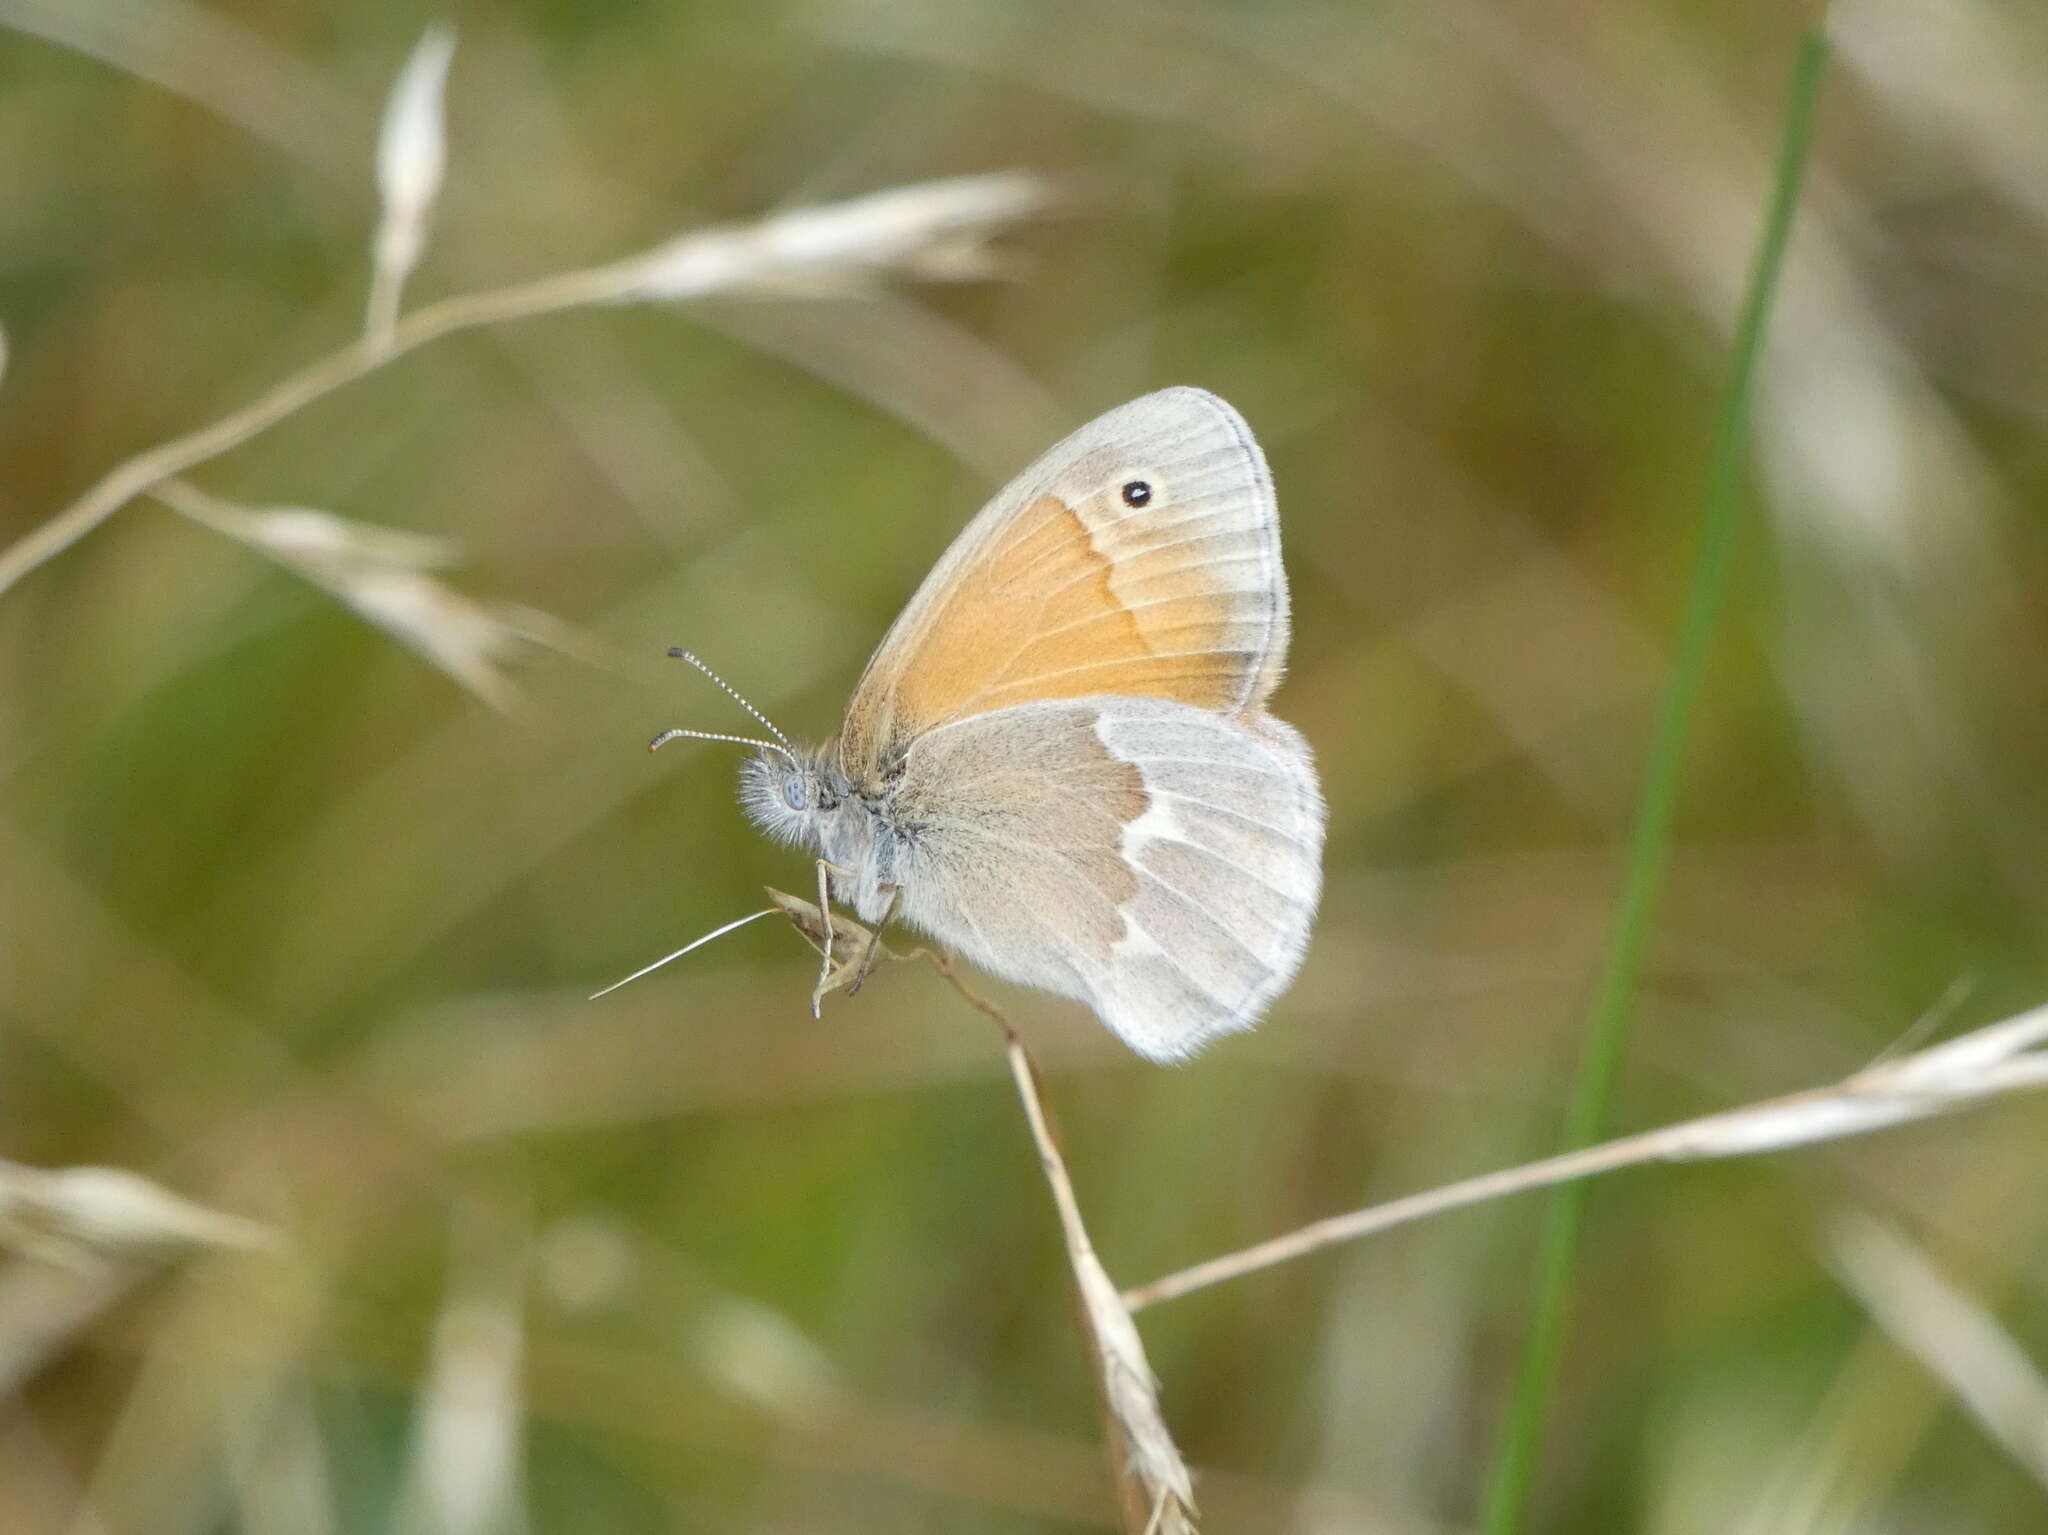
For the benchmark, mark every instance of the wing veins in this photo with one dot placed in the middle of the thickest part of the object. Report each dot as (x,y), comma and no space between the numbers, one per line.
(1239,816)
(1123,575)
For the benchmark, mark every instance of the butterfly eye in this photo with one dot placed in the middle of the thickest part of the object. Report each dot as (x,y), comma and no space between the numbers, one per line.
(1136,493)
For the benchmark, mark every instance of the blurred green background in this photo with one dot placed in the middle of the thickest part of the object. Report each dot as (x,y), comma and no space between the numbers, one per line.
(294,925)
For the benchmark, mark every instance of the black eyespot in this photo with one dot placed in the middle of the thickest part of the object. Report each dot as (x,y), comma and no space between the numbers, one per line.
(1136,493)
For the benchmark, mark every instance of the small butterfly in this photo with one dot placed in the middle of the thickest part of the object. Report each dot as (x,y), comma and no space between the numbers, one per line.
(1059,761)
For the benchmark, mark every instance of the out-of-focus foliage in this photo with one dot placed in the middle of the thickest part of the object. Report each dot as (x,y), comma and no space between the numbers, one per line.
(297,928)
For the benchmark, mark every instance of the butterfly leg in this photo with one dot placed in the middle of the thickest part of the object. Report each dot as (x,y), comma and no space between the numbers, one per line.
(825,869)
(873,950)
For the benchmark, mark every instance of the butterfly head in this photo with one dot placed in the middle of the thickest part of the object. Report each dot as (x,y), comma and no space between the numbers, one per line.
(793,795)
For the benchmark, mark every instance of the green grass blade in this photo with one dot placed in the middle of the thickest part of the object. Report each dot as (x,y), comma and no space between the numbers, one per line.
(1607,1027)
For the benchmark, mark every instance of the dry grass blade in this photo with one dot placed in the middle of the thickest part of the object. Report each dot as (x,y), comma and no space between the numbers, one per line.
(1129,1388)
(1990,1062)
(412,154)
(86,1236)
(694,944)
(1955,1337)
(936,229)
(1153,1483)
(382,575)
(848,936)
(88,1214)
(1154,1488)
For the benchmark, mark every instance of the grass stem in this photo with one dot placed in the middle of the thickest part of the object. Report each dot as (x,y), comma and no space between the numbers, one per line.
(1507,1491)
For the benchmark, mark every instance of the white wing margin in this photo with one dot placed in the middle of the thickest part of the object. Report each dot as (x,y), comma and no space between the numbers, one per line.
(1228,855)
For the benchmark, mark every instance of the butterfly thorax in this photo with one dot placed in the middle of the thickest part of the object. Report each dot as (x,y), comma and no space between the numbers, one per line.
(807,800)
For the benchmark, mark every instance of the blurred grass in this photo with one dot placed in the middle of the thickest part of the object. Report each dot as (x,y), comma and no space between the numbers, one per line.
(298,929)
(1587,1118)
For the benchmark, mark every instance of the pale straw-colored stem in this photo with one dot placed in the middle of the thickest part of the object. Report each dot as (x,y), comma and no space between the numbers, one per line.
(1990,1062)
(111,1213)
(1154,1488)
(930,230)
(1312,1238)
(380,310)
(139,474)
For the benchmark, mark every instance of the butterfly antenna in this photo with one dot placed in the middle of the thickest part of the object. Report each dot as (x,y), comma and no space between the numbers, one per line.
(699,943)
(734,694)
(667,736)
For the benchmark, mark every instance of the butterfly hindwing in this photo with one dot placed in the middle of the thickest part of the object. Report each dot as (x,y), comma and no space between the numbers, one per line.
(1152,859)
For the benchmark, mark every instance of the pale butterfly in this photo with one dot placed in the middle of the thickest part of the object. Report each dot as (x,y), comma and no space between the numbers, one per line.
(1059,762)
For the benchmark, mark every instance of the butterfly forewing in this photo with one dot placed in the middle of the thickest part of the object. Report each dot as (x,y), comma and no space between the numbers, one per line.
(1139,557)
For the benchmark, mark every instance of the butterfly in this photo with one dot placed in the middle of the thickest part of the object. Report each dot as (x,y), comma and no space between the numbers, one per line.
(1059,762)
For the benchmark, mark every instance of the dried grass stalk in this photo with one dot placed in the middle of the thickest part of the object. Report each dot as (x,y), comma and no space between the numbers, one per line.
(382,574)
(938,229)
(1152,1465)
(80,1215)
(1988,1063)
(1154,1488)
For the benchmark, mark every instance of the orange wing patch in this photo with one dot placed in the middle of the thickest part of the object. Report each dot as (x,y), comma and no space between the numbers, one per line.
(1063,611)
